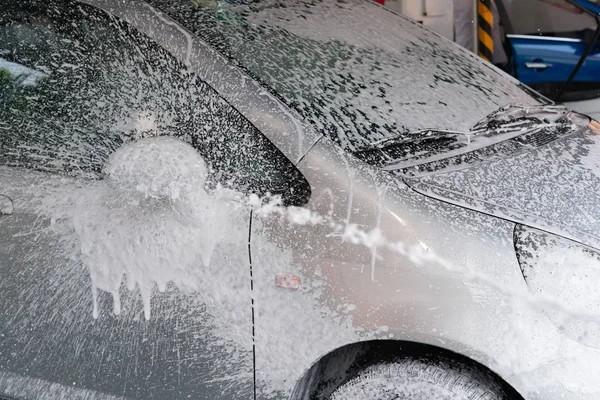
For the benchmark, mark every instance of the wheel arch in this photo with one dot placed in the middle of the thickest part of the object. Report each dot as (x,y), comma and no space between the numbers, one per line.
(343,363)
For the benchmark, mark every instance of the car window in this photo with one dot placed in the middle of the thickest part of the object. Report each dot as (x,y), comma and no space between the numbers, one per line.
(76,84)
(557,18)
(359,73)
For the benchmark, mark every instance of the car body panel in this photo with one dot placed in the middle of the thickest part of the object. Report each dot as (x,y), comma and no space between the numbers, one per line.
(382,292)
(561,53)
(355,285)
(552,187)
(49,334)
(372,292)
(546,48)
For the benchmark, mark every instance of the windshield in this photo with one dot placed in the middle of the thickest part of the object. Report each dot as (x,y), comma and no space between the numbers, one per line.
(356,71)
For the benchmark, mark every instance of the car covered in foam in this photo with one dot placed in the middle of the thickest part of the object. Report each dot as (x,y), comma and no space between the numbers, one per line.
(281,199)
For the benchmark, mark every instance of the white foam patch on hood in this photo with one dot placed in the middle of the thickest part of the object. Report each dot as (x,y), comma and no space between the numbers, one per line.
(154,222)
(570,275)
(591,159)
(6,205)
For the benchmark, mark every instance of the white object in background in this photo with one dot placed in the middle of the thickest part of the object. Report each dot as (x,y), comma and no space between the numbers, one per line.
(436,15)
(587,107)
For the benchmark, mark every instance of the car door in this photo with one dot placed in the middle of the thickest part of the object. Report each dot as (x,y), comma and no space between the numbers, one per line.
(547,39)
(76,320)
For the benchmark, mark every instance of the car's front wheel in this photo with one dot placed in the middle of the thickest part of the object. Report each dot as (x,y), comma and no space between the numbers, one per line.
(419,379)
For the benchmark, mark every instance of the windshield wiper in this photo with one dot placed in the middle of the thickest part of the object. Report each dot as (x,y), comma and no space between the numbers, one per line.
(430,145)
(412,146)
(514,116)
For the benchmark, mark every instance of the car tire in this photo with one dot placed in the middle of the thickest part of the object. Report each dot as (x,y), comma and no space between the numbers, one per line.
(419,379)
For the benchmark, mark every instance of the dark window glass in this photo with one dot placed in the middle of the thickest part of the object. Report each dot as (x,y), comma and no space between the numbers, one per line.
(76,84)
(557,18)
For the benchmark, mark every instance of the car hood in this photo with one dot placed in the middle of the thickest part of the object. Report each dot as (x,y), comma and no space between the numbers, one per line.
(555,187)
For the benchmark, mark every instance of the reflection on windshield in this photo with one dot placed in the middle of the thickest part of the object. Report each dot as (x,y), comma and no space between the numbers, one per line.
(18,73)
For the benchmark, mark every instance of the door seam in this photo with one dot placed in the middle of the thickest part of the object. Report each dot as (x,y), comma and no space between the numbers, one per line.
(252,300)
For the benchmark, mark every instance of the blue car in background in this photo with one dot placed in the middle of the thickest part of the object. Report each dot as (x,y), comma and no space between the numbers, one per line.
(545,40)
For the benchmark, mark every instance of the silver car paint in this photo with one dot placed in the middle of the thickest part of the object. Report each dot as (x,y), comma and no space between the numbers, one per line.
(553,187)
(49,335)
(394,297)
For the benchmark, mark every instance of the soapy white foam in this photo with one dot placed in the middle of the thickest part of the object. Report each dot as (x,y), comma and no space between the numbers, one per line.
(142,232)
(418,380)
(152,222)
(159,168)
(6,205)
(570,275)
(188,37)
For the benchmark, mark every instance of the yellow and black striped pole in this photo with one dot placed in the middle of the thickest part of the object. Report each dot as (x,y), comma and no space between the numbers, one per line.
(485,24)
